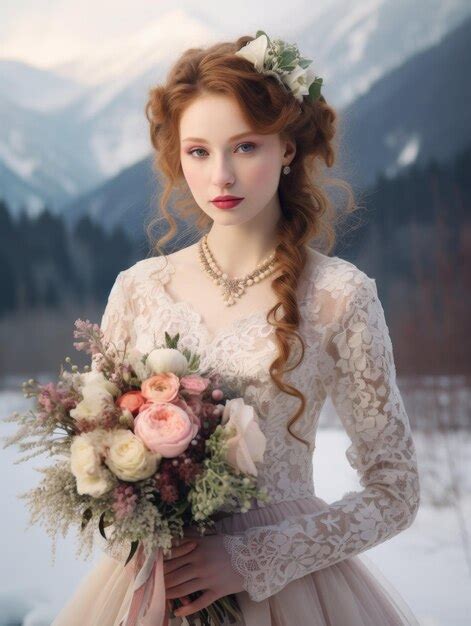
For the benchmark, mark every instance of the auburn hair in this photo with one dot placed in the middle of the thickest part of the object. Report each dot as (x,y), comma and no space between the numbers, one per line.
(307,213)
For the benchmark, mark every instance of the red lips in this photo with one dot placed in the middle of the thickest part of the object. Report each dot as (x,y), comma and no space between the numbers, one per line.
(225,198)
(227,203)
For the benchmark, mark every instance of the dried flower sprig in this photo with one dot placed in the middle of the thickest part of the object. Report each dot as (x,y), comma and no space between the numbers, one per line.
(117,477)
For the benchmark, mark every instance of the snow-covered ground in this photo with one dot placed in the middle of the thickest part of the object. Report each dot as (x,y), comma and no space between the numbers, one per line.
(425,563)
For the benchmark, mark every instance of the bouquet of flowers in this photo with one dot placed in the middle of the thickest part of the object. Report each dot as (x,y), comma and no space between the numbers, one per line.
(144,446)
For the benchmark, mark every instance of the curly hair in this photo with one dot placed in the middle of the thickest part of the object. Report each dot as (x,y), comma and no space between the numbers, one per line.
(307,213)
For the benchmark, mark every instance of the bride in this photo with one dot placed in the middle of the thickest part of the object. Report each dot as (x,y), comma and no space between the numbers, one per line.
(241,134)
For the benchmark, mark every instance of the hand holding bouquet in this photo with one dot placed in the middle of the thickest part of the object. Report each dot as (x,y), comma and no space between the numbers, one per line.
(146,447)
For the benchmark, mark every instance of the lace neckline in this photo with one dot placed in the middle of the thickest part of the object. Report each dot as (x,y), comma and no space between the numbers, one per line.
(243,322)
(187,307)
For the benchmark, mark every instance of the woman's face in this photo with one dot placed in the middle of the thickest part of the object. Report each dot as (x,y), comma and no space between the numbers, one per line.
(221,156)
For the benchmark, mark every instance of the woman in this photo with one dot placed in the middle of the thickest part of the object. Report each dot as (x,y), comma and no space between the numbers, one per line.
(286,325)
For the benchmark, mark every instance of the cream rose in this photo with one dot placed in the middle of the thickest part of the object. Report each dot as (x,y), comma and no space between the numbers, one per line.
(97,380)
(128,458)
(247,445)
(97,394)
(95,400)
(167,360)
(86,452)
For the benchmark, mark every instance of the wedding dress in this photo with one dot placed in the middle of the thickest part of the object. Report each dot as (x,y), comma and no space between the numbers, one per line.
(299,555)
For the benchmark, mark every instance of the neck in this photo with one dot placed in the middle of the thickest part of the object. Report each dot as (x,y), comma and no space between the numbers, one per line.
(238,249)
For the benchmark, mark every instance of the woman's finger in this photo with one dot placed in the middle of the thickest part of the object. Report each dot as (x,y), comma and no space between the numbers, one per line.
(176,557)
(183,588)
(178,543)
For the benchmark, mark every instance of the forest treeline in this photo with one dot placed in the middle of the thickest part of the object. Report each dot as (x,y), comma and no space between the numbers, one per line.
(44,264)
(412,234)
(415,239)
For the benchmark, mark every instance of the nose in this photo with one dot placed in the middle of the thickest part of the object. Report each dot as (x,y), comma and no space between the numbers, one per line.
(223,173)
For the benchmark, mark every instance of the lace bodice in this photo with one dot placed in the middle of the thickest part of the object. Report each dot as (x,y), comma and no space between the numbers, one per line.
(348,355)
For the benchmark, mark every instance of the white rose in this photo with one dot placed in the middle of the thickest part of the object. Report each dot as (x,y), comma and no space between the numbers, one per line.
(95,400)
(94,379)
(255,51)
(128,458)
(134,358)
(299,81)
(247,446)
(93,478)
(167,360)
(95,485)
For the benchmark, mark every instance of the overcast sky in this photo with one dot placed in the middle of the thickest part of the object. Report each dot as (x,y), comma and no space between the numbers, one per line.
(46,32)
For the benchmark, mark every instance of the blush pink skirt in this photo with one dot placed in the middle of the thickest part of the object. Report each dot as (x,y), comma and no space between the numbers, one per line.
(353,592)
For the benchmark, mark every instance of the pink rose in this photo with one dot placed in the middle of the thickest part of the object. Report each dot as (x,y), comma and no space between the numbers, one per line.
(165,428)
(132,400)
(162,387)
(194,384)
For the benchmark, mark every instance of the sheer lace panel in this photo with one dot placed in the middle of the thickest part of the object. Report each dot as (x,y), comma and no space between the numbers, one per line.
(361,380)
(117,319)
(349,356)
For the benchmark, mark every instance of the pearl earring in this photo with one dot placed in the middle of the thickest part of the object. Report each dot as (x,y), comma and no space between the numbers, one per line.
(286,169)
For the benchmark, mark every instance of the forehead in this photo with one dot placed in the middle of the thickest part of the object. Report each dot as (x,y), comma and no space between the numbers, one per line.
(213,117)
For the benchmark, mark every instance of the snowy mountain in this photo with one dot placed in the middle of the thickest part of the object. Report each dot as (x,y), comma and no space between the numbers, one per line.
(34,88)
(47,152)
(124,59)
(66,151)
(67,130)
(355,43)
(415,112)
(124,200)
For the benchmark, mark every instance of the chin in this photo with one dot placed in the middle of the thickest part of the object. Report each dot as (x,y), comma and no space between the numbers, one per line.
(232,218)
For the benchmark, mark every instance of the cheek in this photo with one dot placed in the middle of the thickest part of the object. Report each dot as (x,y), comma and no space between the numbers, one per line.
(263,173)
(193,175)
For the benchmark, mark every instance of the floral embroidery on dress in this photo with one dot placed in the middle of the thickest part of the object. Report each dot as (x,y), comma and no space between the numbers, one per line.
(348,356)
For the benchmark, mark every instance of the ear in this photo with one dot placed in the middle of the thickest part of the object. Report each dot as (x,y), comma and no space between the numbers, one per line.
(289,151)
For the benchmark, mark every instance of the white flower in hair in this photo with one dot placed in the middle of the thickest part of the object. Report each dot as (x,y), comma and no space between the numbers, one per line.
(283,60)
(255,52)
(298,81)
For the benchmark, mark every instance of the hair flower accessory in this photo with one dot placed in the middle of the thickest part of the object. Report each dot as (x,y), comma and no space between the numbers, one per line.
(283,60)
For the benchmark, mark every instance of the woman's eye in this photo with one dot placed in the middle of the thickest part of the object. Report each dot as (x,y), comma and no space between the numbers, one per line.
(195,149)
(250,145)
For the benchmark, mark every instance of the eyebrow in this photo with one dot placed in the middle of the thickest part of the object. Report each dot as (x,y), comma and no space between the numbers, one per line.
(244,134)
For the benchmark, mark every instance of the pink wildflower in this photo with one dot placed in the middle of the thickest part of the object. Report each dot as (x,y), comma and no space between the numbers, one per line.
(125,499)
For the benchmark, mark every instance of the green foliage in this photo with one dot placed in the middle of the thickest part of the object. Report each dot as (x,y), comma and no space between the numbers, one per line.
(219,486)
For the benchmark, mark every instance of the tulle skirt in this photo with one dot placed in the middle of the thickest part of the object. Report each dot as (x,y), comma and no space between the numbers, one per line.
(352,592)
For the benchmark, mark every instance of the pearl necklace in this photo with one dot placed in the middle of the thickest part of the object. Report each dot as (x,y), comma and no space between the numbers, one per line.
(233,288)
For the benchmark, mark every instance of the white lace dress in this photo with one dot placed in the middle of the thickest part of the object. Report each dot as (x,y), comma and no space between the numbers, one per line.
(298,554)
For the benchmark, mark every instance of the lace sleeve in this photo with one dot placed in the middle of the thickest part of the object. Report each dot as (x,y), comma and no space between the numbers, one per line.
(361,379)
(116,321)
